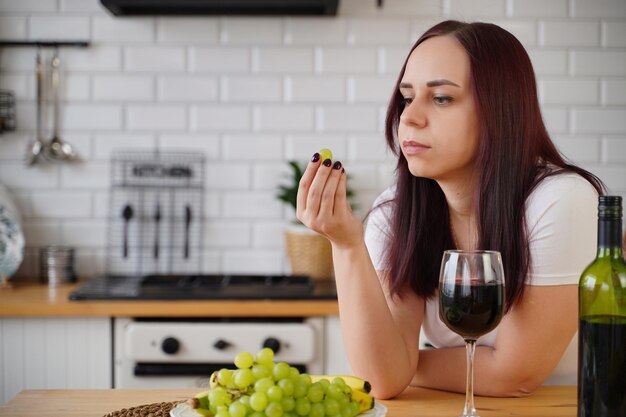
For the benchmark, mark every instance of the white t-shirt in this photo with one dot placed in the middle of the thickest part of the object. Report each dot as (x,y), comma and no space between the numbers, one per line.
(561,216)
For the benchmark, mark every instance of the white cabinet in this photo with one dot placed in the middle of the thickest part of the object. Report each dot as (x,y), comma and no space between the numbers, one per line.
(68,352)
(336,361)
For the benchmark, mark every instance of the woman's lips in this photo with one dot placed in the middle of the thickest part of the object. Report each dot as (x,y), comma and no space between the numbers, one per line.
(411,147)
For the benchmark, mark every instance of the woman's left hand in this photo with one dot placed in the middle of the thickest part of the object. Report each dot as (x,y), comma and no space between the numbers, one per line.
(322,204)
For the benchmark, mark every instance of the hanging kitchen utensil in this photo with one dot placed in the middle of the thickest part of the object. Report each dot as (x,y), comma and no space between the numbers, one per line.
(127,214)
(187,224)
(57,149)
(157,220)
(35,149)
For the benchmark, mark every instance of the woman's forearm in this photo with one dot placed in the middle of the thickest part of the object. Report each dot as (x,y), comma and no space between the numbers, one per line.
(377,349)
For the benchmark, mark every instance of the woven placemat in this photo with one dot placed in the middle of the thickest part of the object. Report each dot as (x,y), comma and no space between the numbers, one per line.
(146,410)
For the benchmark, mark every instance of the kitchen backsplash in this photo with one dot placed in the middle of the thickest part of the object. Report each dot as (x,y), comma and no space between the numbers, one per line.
(251,93)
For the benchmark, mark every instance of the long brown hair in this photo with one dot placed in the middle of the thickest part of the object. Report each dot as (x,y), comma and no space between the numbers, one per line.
(514,151)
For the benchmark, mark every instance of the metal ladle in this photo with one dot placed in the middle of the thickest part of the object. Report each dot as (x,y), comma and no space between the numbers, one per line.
(35,149)
(57,148)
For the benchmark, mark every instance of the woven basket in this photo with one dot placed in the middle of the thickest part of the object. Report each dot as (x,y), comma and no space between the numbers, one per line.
(309,253)
(146,410)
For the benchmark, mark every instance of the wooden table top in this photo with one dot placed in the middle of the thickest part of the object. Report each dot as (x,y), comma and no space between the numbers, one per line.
(414,402)
(37,300)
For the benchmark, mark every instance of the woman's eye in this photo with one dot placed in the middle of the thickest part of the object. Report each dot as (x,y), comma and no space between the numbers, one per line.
(442,100)
(406,101)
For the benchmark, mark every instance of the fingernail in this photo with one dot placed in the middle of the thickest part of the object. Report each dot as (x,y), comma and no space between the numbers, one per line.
(337,165)
(343,170)
(327,162)
(316,157)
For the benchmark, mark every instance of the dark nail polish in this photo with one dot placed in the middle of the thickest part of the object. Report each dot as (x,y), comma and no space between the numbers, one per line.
(327,162)
(343,170)
(337,165)
(316,157)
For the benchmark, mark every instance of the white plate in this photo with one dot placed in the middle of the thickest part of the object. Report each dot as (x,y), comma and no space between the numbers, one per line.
(184,410)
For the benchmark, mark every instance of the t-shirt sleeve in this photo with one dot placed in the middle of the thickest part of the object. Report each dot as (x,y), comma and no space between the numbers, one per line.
(377,229)
(561,217)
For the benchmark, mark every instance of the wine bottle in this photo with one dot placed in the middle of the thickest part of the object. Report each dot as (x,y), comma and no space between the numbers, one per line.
(602,314)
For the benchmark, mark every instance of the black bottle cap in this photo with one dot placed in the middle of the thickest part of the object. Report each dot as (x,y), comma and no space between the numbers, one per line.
(610,207)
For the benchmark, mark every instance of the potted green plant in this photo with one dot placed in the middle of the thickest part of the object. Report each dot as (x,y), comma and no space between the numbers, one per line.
(309,252)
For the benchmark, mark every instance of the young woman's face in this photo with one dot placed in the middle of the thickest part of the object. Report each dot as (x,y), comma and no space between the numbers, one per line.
(438,130)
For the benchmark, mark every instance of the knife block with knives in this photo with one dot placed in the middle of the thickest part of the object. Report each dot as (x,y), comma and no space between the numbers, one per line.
(155,216)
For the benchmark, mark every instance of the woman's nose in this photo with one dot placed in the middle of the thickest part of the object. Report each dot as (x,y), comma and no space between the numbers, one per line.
(413,114)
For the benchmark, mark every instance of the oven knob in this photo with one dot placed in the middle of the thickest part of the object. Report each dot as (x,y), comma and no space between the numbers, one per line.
(170,345)
(272,343)
(221,344)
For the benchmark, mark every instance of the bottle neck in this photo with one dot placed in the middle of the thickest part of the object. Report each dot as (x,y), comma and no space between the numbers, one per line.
(609,238)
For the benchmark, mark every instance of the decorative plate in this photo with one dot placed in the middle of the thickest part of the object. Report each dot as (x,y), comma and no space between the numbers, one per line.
(11,237)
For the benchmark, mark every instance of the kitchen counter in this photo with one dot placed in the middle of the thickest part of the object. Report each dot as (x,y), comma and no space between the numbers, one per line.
(414,402)
(37,300)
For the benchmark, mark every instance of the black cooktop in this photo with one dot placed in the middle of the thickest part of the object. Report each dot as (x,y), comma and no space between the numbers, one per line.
(205,287)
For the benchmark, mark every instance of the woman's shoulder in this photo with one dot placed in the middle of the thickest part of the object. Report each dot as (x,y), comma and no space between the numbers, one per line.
(562,189)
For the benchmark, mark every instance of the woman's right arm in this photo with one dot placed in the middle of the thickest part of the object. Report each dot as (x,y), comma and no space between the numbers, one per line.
(381,334)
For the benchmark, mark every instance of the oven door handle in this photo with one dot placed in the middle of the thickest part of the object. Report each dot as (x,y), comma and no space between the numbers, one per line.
(178,369)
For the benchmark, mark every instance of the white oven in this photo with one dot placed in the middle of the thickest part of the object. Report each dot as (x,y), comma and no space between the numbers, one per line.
(169,353)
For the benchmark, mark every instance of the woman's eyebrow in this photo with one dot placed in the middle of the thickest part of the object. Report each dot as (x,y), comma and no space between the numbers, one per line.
(443,81)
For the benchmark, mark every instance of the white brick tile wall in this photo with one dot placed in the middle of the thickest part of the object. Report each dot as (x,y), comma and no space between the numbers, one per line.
(151,118)
(599,120)
(543,8)
(253,92)
(614,149)
(347,118)
(252,147)
(614,34)
(82,176)
(579,149)
(569,91)
(251,89)
(154,58)
(614,92)
(315,89)
(568,33)
(312,31)
(378,31)
(56,204)
(466,9)
(92,117)
(94,59)
(123,88)
(106,143)
(219,60)
(282,60)
(599,62)
(12,28)
(598,8)
(189,29)
(185,88)
(549,62)
(108,29)
(368,89)
(246,31)
(67,28)
(346,60)
(28,6)
(221,234)
(290,118)
(251,205)
(227,176)
(221,118)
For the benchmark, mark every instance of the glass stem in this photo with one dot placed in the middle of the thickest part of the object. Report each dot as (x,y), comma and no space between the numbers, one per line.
(469,409)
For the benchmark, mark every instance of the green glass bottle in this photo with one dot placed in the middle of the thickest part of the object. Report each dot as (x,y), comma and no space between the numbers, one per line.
(602,313)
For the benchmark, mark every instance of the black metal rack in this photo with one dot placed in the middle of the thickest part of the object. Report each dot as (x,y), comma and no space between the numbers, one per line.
(156,213)
(45,44)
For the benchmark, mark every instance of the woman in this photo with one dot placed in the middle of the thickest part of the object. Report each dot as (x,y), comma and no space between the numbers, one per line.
(476,170)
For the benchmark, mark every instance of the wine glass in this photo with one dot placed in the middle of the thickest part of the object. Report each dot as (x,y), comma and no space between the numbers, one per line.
(471,302)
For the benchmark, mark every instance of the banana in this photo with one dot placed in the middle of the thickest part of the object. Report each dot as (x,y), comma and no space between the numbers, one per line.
(365,401)
(353,382)
(200,403)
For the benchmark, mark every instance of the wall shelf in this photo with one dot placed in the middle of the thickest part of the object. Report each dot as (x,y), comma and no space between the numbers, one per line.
(45,44)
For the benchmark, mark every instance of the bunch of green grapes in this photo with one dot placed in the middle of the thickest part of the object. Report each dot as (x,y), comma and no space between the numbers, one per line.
(260,387)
